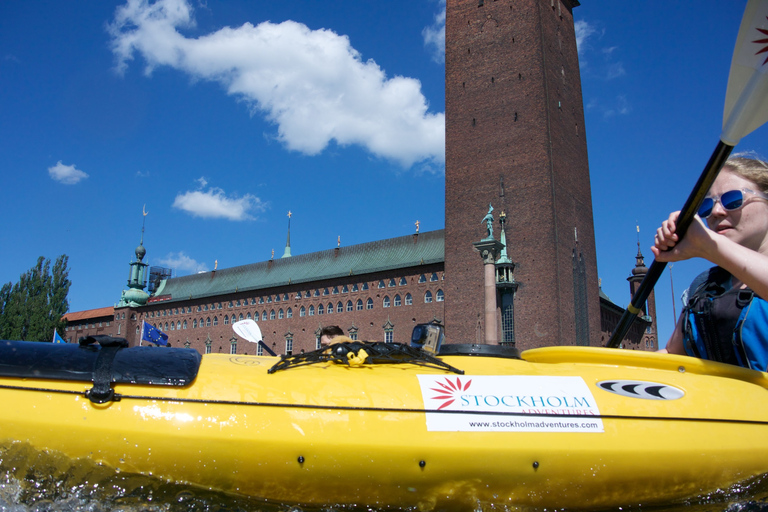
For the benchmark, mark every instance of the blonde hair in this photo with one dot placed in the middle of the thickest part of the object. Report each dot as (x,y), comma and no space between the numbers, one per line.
(749,166)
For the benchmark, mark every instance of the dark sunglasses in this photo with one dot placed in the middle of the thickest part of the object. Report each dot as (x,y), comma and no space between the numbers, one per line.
(731,200)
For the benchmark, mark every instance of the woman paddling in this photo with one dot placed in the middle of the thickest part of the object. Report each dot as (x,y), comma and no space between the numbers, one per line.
(725,317)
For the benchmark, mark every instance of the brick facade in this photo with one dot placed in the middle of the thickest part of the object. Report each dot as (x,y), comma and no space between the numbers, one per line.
(515,139)
(367,324)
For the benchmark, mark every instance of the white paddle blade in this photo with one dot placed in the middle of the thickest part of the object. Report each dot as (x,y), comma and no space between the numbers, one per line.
(746,100)
(248,330)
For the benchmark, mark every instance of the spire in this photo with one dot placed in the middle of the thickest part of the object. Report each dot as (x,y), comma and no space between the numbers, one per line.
(503,220)
(640,268)
(140,250)
(137,278)
(287,253)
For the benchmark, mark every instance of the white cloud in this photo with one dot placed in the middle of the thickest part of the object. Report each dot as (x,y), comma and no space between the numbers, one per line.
(620,107)
(583,32)
(214,204)
(181,262)
(66,174)
(614,70)
(311,83)
(434,35)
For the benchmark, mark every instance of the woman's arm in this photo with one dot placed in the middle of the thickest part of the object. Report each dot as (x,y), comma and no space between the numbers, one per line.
(675,343)
(748,266)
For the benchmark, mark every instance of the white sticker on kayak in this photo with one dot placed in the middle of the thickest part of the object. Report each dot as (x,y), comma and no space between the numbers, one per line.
(509,403)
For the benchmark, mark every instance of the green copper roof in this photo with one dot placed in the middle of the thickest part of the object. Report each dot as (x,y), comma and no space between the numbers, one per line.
(401,252)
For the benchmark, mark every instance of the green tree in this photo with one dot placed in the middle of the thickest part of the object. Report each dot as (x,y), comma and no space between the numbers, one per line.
(32,308)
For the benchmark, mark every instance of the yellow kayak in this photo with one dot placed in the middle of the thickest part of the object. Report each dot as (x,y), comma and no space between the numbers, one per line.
(383,425)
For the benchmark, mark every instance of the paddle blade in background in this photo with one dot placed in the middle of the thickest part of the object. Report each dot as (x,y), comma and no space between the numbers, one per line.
(248,330)
(746,100)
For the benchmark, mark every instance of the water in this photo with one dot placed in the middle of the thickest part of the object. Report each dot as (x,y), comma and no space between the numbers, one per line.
(31,481)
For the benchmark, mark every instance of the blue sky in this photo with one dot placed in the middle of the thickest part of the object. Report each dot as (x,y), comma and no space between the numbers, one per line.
(222,116)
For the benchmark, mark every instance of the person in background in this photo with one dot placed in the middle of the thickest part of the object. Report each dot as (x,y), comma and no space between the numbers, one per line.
(725,315)
(328,333)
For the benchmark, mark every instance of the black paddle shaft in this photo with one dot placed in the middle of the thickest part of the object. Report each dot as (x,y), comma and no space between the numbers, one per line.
(708,175)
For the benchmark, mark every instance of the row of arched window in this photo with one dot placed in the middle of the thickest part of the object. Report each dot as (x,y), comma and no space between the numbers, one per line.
(312,310)
(269,299)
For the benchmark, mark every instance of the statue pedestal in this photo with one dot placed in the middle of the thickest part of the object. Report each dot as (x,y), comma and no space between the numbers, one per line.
(489,250)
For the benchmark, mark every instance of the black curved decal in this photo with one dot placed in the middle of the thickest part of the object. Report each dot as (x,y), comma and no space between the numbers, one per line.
(641,389)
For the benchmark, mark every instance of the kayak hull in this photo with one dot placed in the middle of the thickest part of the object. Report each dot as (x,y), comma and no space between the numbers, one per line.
(328,433)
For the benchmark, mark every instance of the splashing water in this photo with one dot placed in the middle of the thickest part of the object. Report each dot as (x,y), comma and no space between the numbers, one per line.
(34,481)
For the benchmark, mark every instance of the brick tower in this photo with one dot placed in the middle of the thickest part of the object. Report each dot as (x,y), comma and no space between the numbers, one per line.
(515,138)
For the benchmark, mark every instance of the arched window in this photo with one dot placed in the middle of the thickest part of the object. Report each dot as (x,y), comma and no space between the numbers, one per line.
(311,310)
(289,313)
(280,313)
(178,326)
(408,299)
(359,304)
(350,306)
(201,323)
(330,308)
(226,320)
(428,297)
(264,316)
(272,314)
(208,322)
(339,307)
(433,277)
(381,284)
(248,316)
(240,317)
(215,321)
(234,318)
(369,303)
(439,296)
(397,300)
(386,301)
(422,278)
(392,282)
(303,311)
(320,309)
(194,324)
(403,281)
(185,324)
(173,326)
(345,289)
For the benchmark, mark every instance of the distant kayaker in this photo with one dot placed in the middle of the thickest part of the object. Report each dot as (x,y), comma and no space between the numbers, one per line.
(328,333)
(725,316)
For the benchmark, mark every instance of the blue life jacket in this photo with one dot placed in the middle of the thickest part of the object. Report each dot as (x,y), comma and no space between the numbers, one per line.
(726,324)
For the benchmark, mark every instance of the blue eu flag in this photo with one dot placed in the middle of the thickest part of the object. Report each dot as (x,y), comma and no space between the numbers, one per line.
(152,334)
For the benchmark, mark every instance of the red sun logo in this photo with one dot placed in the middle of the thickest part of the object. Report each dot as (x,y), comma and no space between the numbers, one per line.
(763,41)
(447,391)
